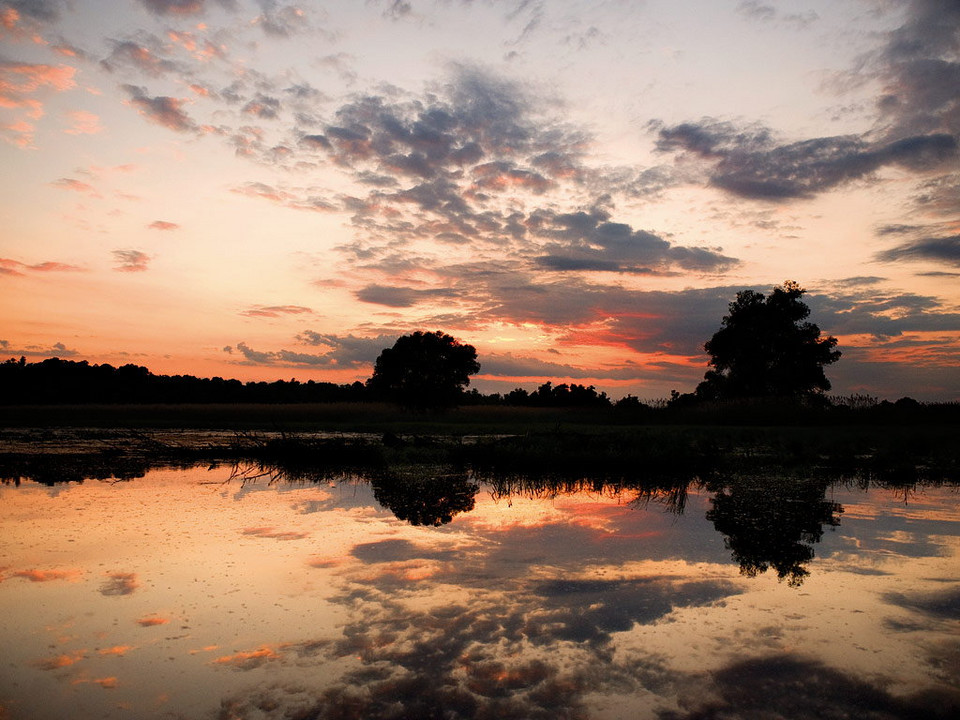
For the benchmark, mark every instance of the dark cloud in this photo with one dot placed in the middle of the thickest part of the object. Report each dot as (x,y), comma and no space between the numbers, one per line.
(183,7)
(348,350)
(396,550)
(590,241)
(119,583)
(756,10)
(940,604)
(918,121)
(165,111)
(263,106)
(402,296)
(341,351)
(945,250)
(145,55)
(787,686)
(511,366)
(56,350)
(921,71)
(747,161)
(131,260)
(590,610)
(42,10)
(281,22)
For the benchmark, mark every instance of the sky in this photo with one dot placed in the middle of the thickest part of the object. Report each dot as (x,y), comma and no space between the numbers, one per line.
(262,189)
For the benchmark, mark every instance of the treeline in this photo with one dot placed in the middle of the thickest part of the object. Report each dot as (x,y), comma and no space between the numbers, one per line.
(57,381)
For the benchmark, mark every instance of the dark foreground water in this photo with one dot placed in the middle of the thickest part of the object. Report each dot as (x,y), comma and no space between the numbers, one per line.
(188,594)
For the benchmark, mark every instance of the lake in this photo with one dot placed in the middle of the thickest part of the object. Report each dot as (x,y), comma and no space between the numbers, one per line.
(226,593)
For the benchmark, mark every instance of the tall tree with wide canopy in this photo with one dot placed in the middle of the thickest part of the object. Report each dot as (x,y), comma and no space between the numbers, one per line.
(424,370)
(766,348)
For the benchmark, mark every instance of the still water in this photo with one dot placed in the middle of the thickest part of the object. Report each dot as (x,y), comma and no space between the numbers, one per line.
(200,594)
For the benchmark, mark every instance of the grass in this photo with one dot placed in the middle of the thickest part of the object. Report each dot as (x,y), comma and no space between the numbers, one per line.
(330,417)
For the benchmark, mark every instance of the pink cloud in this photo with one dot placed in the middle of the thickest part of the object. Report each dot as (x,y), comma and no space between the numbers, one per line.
(76,186)
(83,123)
(47,575)
(18,81)
(17,268)
(163,225)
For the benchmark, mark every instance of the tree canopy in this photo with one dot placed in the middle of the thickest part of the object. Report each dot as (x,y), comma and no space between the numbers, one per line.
(424,370)
(766,348)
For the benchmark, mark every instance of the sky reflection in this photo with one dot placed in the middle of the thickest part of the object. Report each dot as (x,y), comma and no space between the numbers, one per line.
(182,594)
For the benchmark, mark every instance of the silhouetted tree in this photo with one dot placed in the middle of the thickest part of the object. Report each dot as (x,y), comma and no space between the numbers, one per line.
(424,370)
(765,348)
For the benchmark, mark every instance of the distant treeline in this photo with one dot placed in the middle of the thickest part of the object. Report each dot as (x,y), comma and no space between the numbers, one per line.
(67,382)
(57,381)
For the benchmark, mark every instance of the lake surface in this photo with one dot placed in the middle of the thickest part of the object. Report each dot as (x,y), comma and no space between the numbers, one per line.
(200,594)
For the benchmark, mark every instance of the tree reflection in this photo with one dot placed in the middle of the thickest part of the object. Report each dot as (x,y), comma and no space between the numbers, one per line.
(773,523)
(429,499)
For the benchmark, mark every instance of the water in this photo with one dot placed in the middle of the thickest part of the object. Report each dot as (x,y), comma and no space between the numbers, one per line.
(197,594)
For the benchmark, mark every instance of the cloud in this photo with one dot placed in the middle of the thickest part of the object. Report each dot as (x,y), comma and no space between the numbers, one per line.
(76,186)
(15,267)
(941,604)
(145,56)
(269,532)
(165,111)
(401,297)
(279,357)
(590,241)
(83,123)
(131,260)
(944,250)
(917,129)
(746,161)
(152,621)
(249,660)
(348,350)
(770,687)
(756,10)
(183,7)
(21,86)
(56,350)
(45,10)
(60,661)
(163,225)
(283,22)
(43,576)
(273,311)
(118,584)
(295,198)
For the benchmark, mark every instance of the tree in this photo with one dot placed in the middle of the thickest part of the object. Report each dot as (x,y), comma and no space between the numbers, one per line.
(424,370)
(765,348)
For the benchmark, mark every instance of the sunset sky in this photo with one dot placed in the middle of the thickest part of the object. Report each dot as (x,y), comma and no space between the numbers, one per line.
(264,189)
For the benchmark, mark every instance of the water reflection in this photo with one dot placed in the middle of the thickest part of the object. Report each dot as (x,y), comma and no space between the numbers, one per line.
(255,592)
(425,497)
(773,522)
